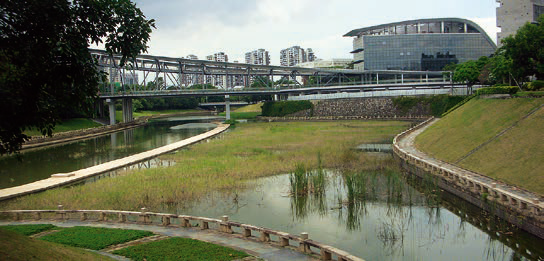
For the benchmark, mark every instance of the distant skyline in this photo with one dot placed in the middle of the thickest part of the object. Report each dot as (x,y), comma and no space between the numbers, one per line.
(204,27)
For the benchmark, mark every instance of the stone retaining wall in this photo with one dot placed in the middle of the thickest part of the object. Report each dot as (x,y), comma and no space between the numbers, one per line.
(363,108)
(494,197)
(301,243)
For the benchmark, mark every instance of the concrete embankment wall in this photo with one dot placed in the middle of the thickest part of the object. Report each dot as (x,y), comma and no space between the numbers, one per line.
(502,200)
(357,109)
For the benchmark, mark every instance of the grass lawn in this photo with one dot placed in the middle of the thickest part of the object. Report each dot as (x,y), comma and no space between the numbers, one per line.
(15,246)
(68,125)
(137,114)
(249,151)
(234,115)
(514,157)
(28,230)
(95,238)
(251,108)
(180,249)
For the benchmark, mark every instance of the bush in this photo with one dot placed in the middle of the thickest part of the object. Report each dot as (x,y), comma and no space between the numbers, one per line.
(280,109)
(438,103)
(535,85)
(498,90)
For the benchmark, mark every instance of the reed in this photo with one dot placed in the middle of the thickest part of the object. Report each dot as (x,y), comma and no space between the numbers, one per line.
(250,151)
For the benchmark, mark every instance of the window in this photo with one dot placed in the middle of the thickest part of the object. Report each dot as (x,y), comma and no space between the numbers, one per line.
(538,11)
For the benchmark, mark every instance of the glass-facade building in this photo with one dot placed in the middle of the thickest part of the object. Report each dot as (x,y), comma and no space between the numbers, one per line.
(419,45)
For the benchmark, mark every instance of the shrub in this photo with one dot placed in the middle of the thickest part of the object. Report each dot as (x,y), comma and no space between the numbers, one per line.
(498,90)
(280,109)
(438,103)
(535,85)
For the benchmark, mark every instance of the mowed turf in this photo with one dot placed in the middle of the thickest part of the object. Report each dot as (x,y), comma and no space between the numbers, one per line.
(15,246)
(514,157)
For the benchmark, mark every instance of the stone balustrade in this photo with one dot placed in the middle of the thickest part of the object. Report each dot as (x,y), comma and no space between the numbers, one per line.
(300,243)
(478,186)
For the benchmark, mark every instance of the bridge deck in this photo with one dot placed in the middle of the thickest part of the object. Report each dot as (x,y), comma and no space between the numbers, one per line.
(61,179)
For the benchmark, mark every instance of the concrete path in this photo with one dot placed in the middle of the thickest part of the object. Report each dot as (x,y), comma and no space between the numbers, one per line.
(61,179)
(258,249)
(408,145)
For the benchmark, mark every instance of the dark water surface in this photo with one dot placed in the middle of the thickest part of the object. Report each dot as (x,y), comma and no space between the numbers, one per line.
(40,163)
(394,221)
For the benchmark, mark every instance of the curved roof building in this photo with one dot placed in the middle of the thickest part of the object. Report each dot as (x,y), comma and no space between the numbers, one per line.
(419,45)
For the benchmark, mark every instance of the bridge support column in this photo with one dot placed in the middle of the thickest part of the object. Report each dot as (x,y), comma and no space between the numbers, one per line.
(127,110)
(276,97)
(227,107)
(111,106)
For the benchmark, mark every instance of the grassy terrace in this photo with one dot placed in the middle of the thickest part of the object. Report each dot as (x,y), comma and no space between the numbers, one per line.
(249,151)
(514,157)
(19,247)
(68,125)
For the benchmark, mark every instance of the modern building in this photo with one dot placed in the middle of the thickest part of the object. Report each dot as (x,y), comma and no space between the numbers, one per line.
(114,75)
(335,63)
(419,45)
(259,56)
(217,80)
(295,55)
(512,14)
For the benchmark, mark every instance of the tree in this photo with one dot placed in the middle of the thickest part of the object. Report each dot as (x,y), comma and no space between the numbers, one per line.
(467,72)
(525,50)
(261,82)
(45,64)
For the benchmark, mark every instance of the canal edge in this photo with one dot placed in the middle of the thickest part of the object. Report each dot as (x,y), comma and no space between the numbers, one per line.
(518,206)
(63,179)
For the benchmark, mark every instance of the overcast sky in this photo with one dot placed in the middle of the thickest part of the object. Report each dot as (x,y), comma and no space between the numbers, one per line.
(204,27)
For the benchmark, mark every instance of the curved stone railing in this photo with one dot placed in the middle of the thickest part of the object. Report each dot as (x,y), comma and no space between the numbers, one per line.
(300,243)
(479,186)
(330,118)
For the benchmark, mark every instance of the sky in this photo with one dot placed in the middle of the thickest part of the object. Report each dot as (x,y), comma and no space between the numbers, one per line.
(204,27)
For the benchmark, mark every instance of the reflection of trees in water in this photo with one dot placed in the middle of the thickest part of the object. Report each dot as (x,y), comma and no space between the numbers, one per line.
(352,192)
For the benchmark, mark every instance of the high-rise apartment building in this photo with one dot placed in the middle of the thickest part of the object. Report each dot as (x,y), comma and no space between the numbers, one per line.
(295,55)
(217,80)
(512,14)
(260,57)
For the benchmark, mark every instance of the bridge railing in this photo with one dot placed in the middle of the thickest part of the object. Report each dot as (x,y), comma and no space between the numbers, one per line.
(301,243)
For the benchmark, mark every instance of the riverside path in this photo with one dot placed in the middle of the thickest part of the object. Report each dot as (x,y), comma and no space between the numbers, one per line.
(62,179)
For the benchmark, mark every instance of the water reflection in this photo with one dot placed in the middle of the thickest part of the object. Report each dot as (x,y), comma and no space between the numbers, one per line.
(40,163)
(377,215)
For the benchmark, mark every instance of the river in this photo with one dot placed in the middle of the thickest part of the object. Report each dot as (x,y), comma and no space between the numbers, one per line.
(40,163)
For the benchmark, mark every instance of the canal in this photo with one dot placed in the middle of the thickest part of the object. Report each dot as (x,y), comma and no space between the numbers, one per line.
(40,163)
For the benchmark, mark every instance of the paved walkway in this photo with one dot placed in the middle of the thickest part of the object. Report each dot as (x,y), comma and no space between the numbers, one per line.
(407,144)
(258,249)
(61,179)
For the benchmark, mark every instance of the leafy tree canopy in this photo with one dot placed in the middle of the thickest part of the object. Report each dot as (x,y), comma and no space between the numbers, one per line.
(525,49)
(45,65)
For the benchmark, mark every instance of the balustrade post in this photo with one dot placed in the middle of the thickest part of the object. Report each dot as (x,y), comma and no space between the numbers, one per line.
(303,246)
(16,216)
(83,216)
(144,216)
(185,222)
(224,226)
(122,218)
(165,221)
(37,215)
(326,254)
(102,216)
(60,212)
(204,225)
(247,232)
(265,237)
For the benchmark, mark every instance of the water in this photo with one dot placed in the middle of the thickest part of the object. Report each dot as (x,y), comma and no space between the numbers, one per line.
(392,221)
(40,163)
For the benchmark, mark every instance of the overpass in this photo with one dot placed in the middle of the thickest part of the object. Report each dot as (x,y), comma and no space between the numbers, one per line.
(180,76)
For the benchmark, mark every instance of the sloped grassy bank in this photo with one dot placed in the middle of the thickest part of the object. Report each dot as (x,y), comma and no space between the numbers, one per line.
(498,138)
(249,151)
